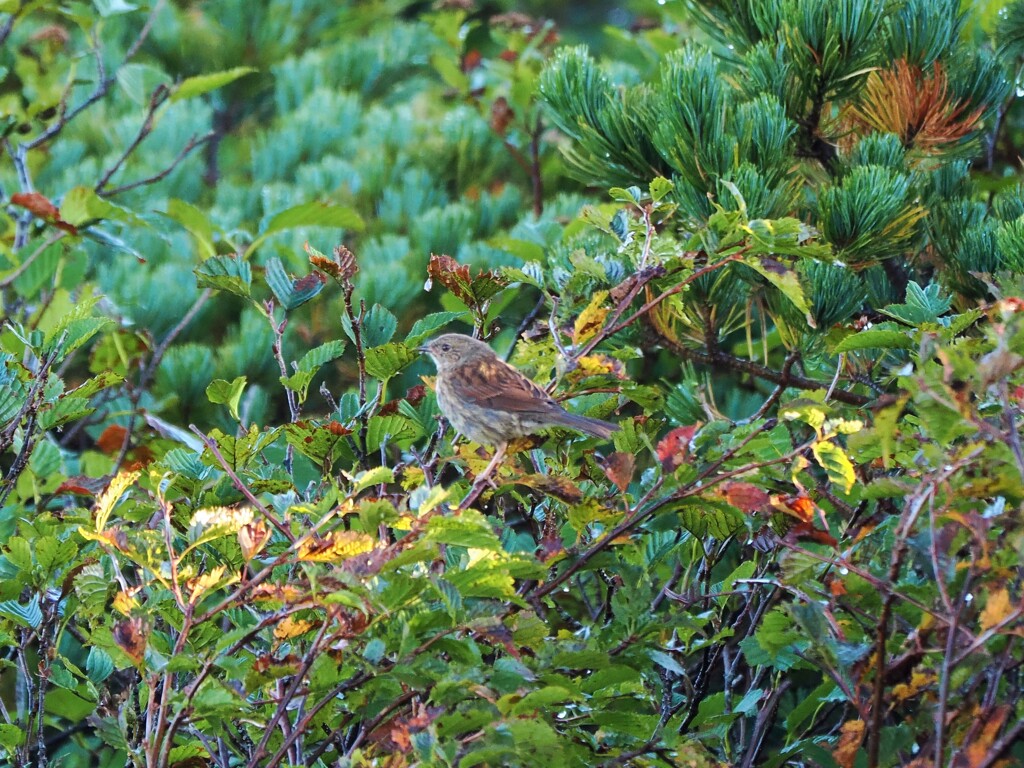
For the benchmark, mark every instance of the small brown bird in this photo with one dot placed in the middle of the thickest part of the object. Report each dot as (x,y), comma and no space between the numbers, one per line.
(489,401)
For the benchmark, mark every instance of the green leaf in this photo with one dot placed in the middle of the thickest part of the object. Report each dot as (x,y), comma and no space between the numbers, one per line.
(427,326)
(53,553)
(371,477)
(316,357)
(385,361)
(836,464)
(227,393)
(467,529)
(660,187)
(291,292)
(321,443)
(82,206)
(98,665)
(226,273)
(66,409)
(25,615)
(378,326)
(786,280)
(874,339)
(709,517)
(11,736)
(313,214)
(922,305)
(200,84)
(19,553)
(196,222)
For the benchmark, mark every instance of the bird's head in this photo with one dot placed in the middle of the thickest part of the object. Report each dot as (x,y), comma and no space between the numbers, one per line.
(454,349)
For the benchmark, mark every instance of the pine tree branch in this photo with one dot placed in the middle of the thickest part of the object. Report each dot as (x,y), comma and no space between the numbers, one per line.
(786,378)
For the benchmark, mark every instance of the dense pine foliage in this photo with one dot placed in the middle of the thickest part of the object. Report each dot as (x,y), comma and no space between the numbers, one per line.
(779,242)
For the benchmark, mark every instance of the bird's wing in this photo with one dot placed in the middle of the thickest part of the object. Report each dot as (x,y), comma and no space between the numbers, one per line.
(495,384)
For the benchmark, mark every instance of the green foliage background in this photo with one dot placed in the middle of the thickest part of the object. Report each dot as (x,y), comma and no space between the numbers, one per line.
(779,243)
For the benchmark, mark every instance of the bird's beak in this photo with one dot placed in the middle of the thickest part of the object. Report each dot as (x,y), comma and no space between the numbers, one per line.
(424,348)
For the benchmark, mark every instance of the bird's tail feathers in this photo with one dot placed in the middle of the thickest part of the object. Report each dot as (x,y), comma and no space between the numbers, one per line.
(595,427)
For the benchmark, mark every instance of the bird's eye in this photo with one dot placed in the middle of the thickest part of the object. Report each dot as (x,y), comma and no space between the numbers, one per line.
(446,347)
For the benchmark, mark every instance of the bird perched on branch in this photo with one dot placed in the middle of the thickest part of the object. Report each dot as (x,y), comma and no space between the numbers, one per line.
(490,402)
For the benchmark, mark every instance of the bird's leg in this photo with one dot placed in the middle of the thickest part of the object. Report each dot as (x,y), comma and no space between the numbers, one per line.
(484,478)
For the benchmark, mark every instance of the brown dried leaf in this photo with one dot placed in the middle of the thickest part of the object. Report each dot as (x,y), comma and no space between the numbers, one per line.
(553,485)
(501,115)
(252,538)
(132,635)
(619,468)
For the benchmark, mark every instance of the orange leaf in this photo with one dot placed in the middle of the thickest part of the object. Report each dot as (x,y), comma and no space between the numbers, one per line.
(850,738)
(674,448)
(111,440)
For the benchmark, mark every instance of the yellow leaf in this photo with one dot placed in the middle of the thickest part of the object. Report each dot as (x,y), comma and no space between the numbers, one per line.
(997,609)
(290,627)
(591,319)
(124,603)
(339,545)
(835,463)
(226,520)
(105,503)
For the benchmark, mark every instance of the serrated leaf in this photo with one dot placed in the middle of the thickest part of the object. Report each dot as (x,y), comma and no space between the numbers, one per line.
(468,529)
(711,519)
(200,84)
(82,206)
(313,214)
(28,615)
(874,339)
(378,327)
(66,409)
(291,292)
(226,273)
(427,326)
(371,477)
(836,464)
(385,361)
(786,280)
(316,357)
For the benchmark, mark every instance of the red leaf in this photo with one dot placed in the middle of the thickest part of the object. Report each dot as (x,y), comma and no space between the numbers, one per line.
(82,485)
(746,497)
(41,207)
(674,448)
